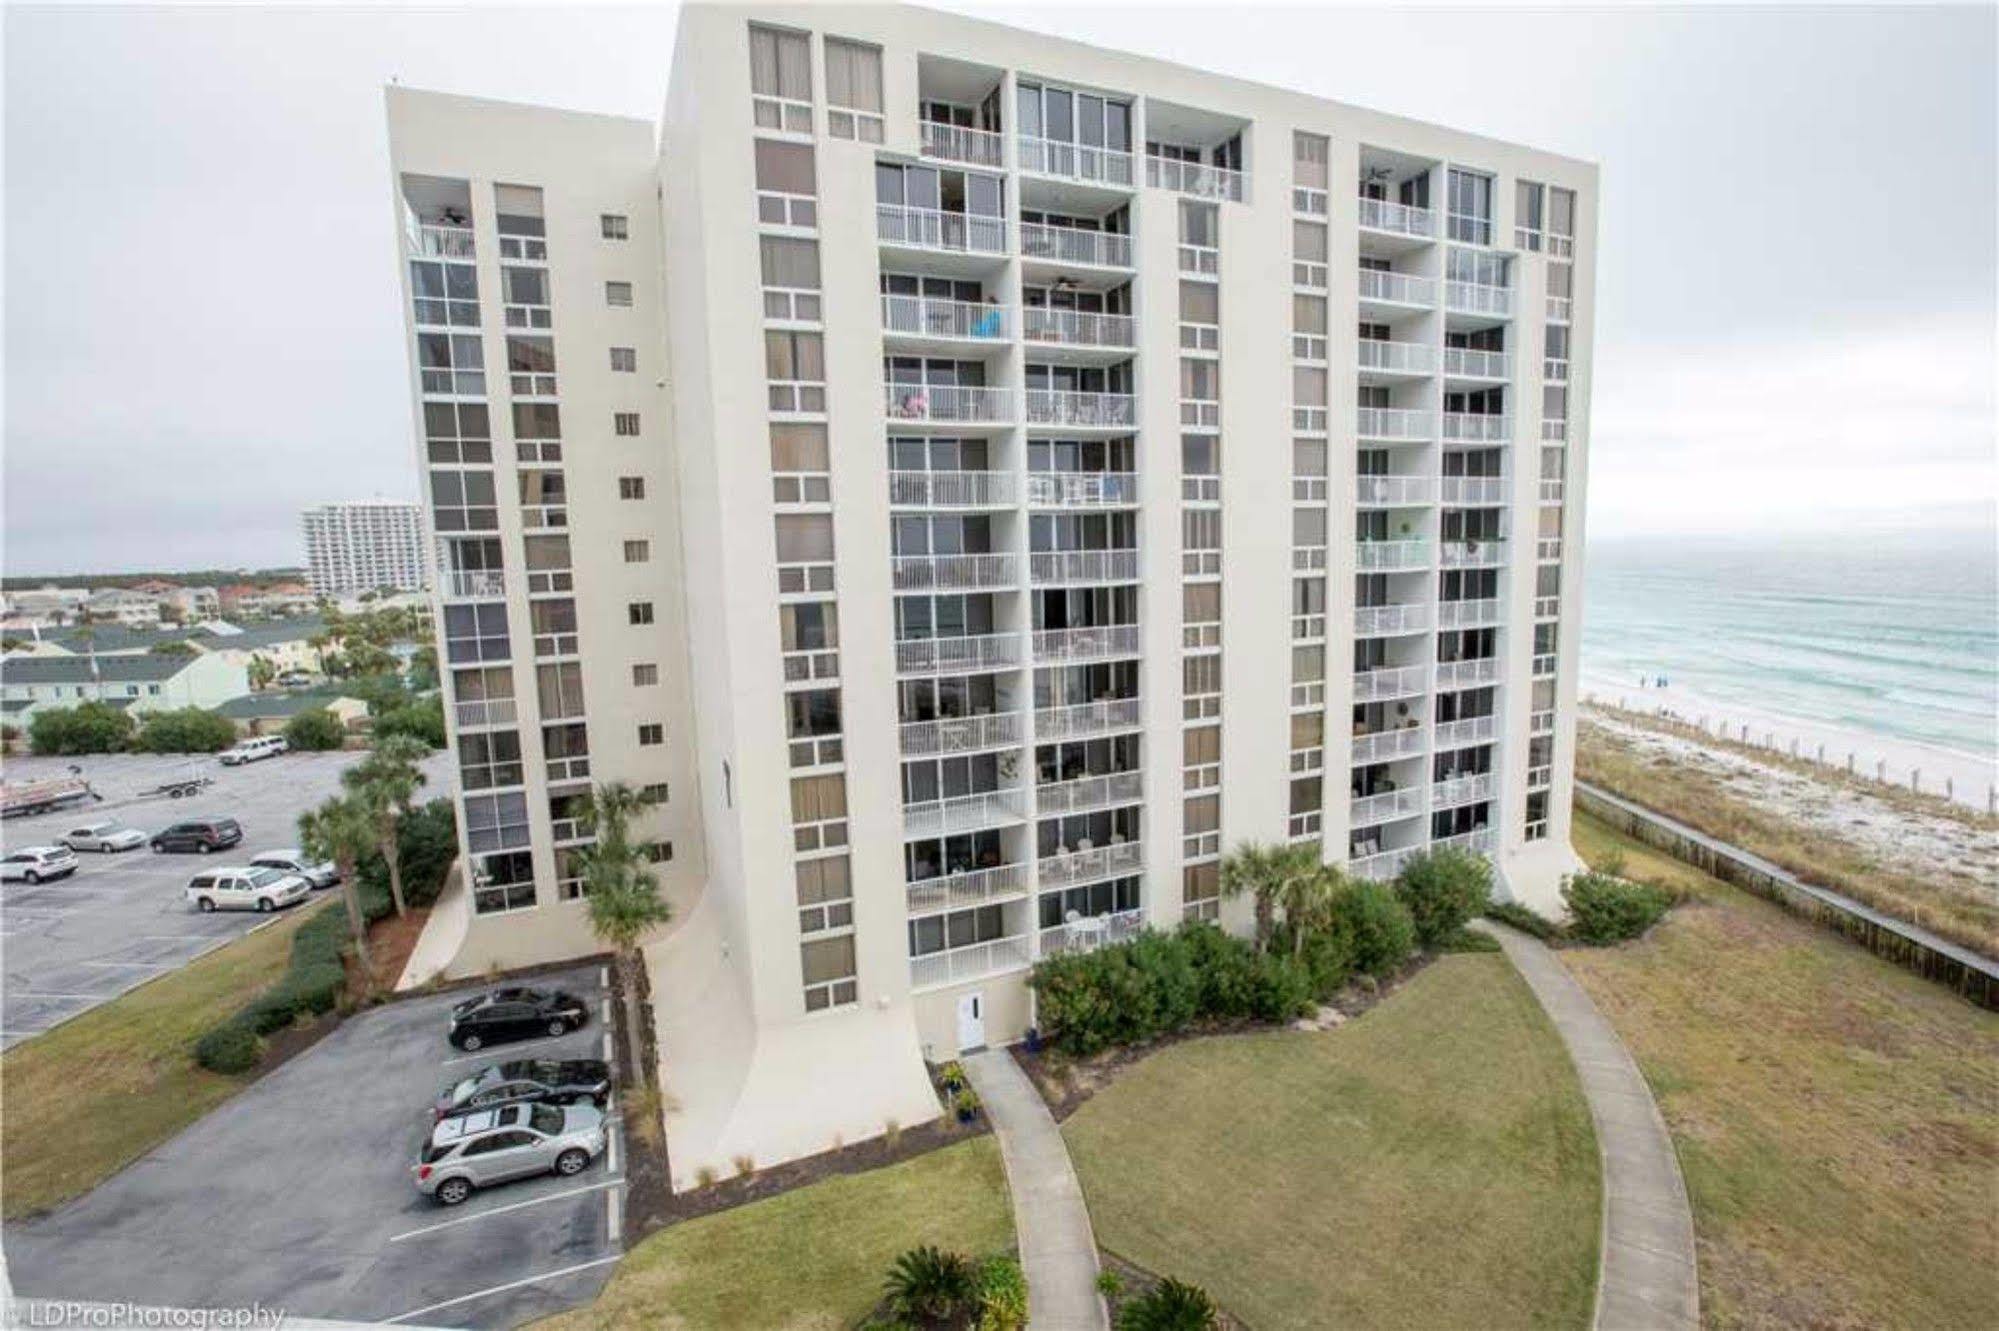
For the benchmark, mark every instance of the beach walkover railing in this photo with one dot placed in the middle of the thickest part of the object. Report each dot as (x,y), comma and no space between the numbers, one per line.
(1907,945)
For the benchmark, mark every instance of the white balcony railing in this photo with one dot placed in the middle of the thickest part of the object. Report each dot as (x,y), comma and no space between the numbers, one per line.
(1203,182)
(931,229)
(974,887)
(1461,790)
(931,316)
(960,734)
(964,813)
(1078,328)
(1394,423)
(1090,932)
(1463,734)
(1089,792)
(1373,621)
(1085,864)
(1062,244)
(1398,357)
(1478,298)
(443,242)
(1388,805)
(950,403)
(1083,719)
(1400,218)
(952,489)
(485,712)
(1394,491)
(1467,674)
(1478,428)
(474,583)
(1051,406)
(961,143)
(1474,490)
(1390,682)
(1470,363)
(1478,841)
(1383,864)
(1397,288)
(1467,614)
(1074,161)
(969,963)
(981,652)
(1082,489)
(962,573)
(1385,746)
(1058,566)
(1086,644)
(1375,556)
(1489,553)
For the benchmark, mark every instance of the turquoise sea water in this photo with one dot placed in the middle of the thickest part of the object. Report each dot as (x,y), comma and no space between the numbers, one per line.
(1893,633)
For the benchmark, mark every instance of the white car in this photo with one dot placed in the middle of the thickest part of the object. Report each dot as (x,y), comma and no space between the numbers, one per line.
(38,864)
(317,873)
(103,835)
(246,888)
(250,750)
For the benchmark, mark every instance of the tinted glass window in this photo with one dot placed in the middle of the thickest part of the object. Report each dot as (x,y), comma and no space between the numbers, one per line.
(546,1119)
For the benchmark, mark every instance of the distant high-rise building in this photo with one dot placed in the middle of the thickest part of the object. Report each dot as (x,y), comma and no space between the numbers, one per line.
(365,545)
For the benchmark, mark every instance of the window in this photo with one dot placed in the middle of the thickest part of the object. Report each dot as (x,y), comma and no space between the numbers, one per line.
(614,226)
(625,360)
(625,423)
(651,733)
(638,552)
(786,185)
(475,632)
(645,674)
(639,612)
(1470,207)
(853,91)
(658,852)
(618,293)
(790,278)
(819,811)
(795,363)
(653,793)
(559,692)
(631,487)
(825,894)
(828,967)
(488,759)
(781,79)
(1309,154)
(457,432)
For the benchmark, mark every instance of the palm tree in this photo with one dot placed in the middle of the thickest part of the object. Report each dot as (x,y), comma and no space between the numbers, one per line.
(1307,897)
(384,783)
(1269,874)
(623,898)
(341,830)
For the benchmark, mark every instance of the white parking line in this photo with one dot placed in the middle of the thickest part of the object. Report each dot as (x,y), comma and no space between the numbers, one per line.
(134,965)
(80,998)
(502,1210)
(614,1215)
(604,976)
(501,1289)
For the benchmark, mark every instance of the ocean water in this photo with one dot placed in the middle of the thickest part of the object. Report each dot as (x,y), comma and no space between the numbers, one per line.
(1892,633)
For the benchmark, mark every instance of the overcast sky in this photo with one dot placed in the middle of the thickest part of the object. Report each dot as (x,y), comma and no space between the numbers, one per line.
(1796,286)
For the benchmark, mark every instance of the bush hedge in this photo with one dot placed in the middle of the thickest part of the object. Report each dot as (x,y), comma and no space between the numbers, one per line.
(1525,919)
(315,729)
(1604,908)
(1443,889)
(1373,916)
(185,730)
(88,727)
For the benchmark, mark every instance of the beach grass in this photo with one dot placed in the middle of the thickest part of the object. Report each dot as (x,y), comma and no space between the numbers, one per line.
(1836,1117)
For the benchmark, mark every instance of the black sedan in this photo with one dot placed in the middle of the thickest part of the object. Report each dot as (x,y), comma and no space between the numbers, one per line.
(515,1014)
(562,1082)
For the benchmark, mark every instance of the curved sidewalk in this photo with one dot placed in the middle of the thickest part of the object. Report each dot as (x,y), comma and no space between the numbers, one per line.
(1646,1273)
(1058,1253)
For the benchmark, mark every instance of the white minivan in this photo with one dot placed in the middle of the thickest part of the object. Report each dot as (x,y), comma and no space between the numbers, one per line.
(250,750)
(247,888)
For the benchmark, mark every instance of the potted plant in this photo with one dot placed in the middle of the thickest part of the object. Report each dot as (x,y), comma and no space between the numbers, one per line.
(966,1103)
(952,1074)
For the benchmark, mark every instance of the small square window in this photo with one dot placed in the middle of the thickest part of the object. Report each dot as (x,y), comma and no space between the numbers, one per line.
(615,226)
(640,612)
(652,733)
(618,293)
(625,422)
(645,674)
(638,552)
(625,360)
(631,487)
(659,852)
(654,793)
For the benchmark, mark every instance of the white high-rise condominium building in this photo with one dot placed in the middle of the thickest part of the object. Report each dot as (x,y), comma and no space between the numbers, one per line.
(973,480)
(364,545)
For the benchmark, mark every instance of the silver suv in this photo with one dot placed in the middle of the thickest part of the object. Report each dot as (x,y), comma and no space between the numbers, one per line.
(495,1145)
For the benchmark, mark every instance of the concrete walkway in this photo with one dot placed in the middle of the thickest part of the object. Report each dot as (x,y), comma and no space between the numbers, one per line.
(1646,1275)
(1058,1252)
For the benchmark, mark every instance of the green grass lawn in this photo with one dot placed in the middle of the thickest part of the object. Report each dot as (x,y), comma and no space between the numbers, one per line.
(103,1089)
(1837,1118)
(1429,1165)
(808,1260)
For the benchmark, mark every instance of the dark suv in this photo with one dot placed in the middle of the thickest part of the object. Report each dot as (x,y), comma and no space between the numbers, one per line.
(514,1014)
(199,835)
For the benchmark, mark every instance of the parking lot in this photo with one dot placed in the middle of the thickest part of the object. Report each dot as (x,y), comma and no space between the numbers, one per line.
(121,919)
(297,1194)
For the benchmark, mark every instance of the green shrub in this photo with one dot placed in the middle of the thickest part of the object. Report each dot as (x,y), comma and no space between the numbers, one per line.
(1607,909)
(1525,919)
(1329,957)
(928,1282)
(1280,988)
(229,1049)
(1374,917)
(427,839)
(315,729)
(1226,967)
(1171,1306)
(1443,889)
(185,730)
(1165,976)
(422,718)
(1467,940)
(1002,1295)
(88,727)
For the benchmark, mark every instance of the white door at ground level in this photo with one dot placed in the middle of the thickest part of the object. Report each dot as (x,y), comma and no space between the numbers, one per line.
(971,1021)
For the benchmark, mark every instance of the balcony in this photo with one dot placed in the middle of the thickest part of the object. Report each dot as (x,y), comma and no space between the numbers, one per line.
(1082,489)
(1070,245)
(442,242)
(1475,491)
(1469,363)
(961,143)
(1079,328)
(477,712)
(1376,621)
(1461,790)
(1103,643)
(1394,423)
(1090,792)
(947,404)
(1478,841)
(1467,614)
(952,489)
(1394,491)
(900,226)
(1052,406)
(1083,720)
(1383,865)
(473,584)
(1468,674)
(960,734)
(1391,682)
(1476,428)
(968,963)
(1367,810)
(1397,288)
(1478,298)
(964,813)
(1391,556)
(1395,357)
(1195,179)
(1087,864)
(1087,933)
(988,651)
(974,887)
(1074,161)
(931,319)
(1397,218)
(955,573)
(1055,567)
(1488,553)
(1463,734)
(1385,746)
